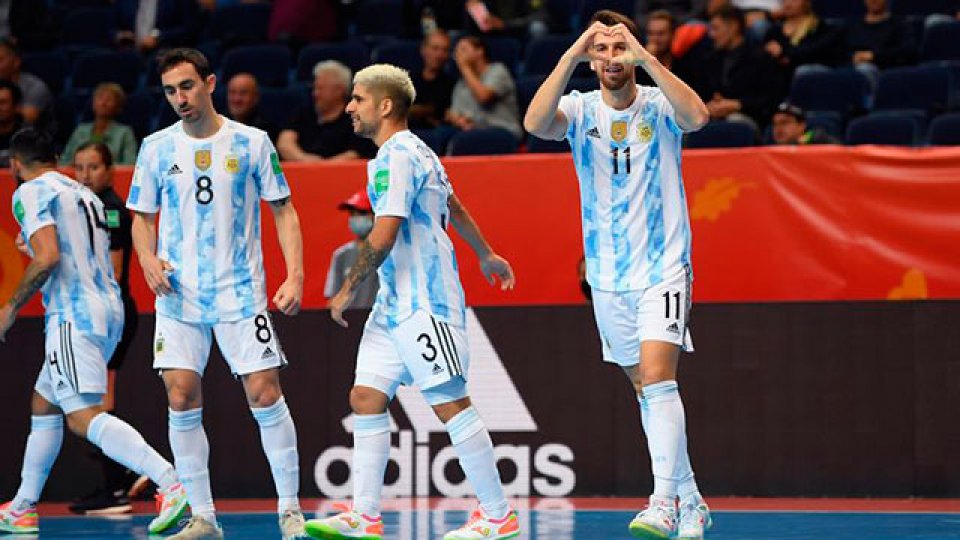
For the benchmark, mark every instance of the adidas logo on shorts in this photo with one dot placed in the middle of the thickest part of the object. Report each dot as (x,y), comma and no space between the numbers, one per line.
(437,369)
(674,328)
(267,353)
(593,132)
(174,170)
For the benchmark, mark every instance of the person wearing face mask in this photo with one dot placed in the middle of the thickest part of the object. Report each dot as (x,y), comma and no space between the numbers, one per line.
(360,223)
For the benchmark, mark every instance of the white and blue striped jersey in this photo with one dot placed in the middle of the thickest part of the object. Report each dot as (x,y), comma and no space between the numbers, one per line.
(81,289)
(636,231)
(208,194)
(407,180)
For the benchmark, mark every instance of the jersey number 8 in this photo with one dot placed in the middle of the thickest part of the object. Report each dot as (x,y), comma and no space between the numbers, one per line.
(204,193)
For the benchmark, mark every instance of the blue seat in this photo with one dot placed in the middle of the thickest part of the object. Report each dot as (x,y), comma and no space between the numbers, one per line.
(589,7)
(505,50)
(582,84)
(722,134)
(838,9)
(52,67)
(542,146)
(941,42)
(90,69)
(270,64)
(280,106)
(138,113)
(482,142)
(829,121)
(66,112)
(925,88)
(240,24)
(527,86)
(543,53)
(88,26)
(889,128)
(352,54)
(945,130)
(843,91)
(380,18)
(405,54)
(923,7)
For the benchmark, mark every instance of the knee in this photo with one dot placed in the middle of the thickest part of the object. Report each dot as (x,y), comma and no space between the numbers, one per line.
(183,398)
(78,425)
(263,393)
(365,400)
(652,375)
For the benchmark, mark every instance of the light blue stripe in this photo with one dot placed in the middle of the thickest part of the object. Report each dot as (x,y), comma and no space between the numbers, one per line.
(171,237)
(242,274)
(206,240)
(619,210)
(371,424)
(653,208)
(588,193)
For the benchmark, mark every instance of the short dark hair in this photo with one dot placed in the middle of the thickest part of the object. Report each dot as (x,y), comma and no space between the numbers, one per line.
(32,146)
(8,44)
(101,149)
(612,18)
(478,43)
(730,14)
(14,89)
(184,55)
(663,15)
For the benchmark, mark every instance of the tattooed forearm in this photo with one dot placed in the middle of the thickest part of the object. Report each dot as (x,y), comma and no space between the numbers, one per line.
(368,260)
(33,278)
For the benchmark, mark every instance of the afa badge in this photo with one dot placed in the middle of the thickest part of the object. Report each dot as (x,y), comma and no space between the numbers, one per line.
(618,130)
(231,164)
(201,158)
(644,132)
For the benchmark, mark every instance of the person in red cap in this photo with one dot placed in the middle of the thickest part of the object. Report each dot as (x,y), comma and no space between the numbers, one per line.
(360,223)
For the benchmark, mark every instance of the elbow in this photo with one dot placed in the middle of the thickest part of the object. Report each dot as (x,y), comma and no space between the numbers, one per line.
(532,126)
(700,116)
(47,261)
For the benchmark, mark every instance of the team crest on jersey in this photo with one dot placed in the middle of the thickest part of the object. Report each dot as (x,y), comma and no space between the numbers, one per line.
(201,158)
(158,345)
(644,132)
(618,130)
(232,164)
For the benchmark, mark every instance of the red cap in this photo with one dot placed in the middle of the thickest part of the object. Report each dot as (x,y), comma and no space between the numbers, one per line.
(357,201)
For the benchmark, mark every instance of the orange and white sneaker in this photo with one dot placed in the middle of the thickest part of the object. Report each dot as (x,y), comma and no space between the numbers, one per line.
(481,527)
(23,522)
(171,505)
(348,524)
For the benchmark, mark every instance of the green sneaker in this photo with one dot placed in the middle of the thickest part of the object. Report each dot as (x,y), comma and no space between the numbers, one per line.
(171,505)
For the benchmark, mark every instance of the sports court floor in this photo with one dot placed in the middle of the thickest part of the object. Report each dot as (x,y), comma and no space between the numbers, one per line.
(580,519)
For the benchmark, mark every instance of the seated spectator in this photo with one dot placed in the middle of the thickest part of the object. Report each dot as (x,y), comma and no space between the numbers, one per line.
(879,39)
(758,15)
(147,25)
(37,104)
(325,131)
(802,38)
(10,119)
(360,223)
(243,104)
(660,30)
(27,24)
(789,126)
(524,18)
(434,87)
(736,80)
(681,10)
(108,101)
(485,96)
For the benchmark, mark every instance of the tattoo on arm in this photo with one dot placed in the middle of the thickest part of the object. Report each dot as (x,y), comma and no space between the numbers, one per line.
(368,260)
(33,278)
(279,203)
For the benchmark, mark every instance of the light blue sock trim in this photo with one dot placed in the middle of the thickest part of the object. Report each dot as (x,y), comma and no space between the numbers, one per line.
(272,415)
(185,420)
(660,391)
(95,429)
(464,425)
(366,425)
(47,421)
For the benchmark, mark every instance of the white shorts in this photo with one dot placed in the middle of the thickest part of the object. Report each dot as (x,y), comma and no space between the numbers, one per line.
(659,313)
(248,345)
(422,351)
(74,373)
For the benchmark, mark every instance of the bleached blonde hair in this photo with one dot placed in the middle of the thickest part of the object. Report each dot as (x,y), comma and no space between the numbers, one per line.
(388,81)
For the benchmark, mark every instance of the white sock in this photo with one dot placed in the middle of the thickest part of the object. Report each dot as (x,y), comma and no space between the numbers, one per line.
(279,439)
(686,483)
(475,450)
(665,426)
(371,451)
(43,445)
(123,444)
(191,452)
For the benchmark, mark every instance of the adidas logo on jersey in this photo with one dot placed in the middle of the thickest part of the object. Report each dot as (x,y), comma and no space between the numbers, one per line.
(437,369)
(174,170)
(267,353)
(593,132)
(674,328)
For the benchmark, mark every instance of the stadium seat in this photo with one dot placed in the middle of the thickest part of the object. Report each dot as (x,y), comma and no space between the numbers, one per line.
(527,86)
(922,7)
(589,7)
(843,91)
(280,106)
(380,18)
(65,110)
(542,54)
(537,145)
(352,54)
(924,88)
(582,84)
(505,50)
(240,24)
(838,9)
(722,135)
(829,121)
(52,67)
(92,68)
(941,42)
(88,26)
(884,128)
(482,142)
(945,130)
(405,54)
(270,64)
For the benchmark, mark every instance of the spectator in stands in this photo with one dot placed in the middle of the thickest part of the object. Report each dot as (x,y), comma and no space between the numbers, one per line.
(736,80)
(243,104)
(485,96)
(108,101)
(790,127)
(26,23)
(660,29)
(518,18)
(149,24)
(879,40)
(360,223)
(758,15)
(681,10)
(325,131)
(802,38)
(10,119)
(298,22)
(434,87)
(37,104)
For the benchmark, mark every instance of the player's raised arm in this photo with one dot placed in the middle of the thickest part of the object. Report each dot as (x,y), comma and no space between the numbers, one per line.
(492,265)
(691,112)
(290,293)
(46,256)
(373,251)
(144,232)
(543,118)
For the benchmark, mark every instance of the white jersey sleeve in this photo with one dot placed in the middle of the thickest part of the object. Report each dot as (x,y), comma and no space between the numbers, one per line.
(571,106)
(145,187)
(396,185)
(32,208)
(271,182)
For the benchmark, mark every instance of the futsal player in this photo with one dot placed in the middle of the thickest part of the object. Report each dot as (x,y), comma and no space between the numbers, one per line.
(636,233)
(206,175)
(64,226)
(415,333)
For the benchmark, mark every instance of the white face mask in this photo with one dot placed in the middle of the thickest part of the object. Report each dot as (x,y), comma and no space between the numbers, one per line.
(361,225)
